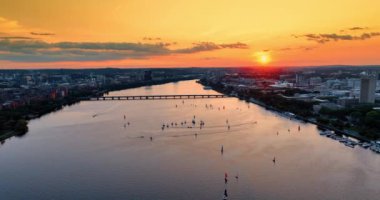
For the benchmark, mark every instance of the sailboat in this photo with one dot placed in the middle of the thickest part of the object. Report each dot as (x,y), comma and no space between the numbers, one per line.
(225,195)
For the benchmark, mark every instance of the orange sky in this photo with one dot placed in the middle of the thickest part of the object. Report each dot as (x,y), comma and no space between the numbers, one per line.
(179,33)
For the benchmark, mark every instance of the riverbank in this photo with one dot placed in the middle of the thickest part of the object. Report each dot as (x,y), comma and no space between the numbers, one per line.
(290,109)
(313,121)
(14,122)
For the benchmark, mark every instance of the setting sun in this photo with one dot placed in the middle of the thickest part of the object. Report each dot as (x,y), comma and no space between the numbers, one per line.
(263,57)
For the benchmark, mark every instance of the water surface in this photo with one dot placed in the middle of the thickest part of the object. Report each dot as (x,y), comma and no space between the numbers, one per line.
(88,151)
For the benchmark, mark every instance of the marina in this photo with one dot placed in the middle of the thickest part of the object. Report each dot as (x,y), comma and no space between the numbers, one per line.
(347,141)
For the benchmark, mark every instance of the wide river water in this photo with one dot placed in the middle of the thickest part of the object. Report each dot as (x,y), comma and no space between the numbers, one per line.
(88,151)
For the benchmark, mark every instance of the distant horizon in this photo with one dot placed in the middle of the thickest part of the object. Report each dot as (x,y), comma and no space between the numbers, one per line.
(189,67)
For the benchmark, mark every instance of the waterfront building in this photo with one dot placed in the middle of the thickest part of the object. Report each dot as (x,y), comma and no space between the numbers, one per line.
(367,88)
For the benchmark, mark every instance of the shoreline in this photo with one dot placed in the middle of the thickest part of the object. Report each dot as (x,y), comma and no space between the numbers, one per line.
(311,121)
(71,100)
(30,116)
(298,117)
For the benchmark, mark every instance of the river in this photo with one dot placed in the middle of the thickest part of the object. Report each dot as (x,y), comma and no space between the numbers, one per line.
(88,151)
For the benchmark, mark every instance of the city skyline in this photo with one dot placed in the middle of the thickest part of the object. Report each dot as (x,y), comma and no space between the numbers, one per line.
(93,34)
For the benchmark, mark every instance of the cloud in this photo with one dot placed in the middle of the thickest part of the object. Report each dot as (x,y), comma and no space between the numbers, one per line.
(323,38)
(16,45)
(356,28)
(40,51)
(151,38)
(26,50)
(42,33)
(286,49)
(304,48)
(198,47)
(210,46)
(166,44)
(16,38)
(237,45)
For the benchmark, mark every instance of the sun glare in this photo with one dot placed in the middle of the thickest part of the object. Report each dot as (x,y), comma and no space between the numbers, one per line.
(263,57)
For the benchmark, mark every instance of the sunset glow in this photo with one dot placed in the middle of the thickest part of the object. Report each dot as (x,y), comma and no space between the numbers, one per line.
(174,33)
(263,58)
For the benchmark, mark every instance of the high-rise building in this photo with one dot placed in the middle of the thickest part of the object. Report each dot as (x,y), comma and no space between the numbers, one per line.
(367,88)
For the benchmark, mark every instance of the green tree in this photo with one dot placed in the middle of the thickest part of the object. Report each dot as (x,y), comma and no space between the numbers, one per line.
(21,127)
(356,115)
(372,118)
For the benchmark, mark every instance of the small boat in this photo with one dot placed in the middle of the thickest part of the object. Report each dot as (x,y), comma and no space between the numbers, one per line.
(322,133)
(326,133)
(365,145)
(349,144)
(375,148)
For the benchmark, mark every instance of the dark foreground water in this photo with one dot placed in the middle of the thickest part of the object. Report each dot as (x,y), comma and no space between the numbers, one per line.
(85,152)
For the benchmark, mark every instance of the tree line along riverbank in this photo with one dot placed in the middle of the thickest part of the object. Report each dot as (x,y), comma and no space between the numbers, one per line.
(14,121)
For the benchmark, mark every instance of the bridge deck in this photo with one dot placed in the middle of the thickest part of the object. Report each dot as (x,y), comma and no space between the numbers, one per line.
(158,97)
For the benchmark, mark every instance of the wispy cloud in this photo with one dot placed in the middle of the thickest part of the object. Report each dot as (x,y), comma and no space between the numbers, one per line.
(151,38)
(356,28)
(42,33)
(324,38)
(16,38)
(39,51)
(302,48)
(210,46)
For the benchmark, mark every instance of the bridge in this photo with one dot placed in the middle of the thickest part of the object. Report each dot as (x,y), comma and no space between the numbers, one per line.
(157,97)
